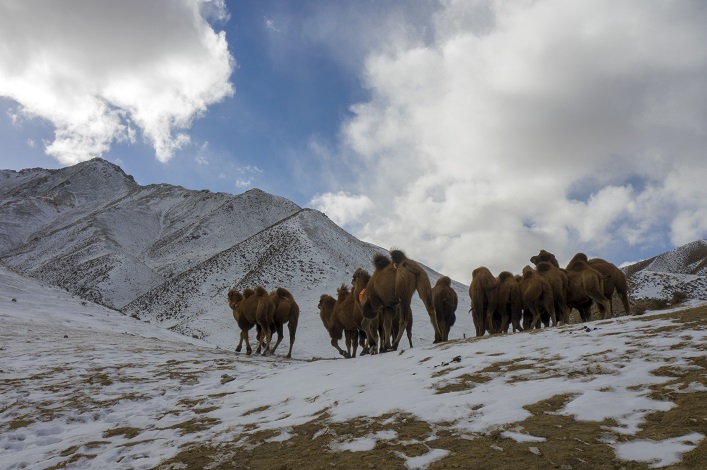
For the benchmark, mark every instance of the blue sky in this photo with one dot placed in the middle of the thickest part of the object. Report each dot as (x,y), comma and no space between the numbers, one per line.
(468,132)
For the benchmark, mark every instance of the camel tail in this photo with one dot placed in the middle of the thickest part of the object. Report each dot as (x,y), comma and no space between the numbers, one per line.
(380,261)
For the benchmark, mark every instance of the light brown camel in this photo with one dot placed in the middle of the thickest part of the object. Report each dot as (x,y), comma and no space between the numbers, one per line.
(559,284)
(483,291)
(286,311)
(510,301)
(614,280)
(445,300)
(254,308)
(585,285)
(537,296)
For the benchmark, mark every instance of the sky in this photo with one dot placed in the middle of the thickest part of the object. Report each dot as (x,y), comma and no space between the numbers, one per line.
(468,133)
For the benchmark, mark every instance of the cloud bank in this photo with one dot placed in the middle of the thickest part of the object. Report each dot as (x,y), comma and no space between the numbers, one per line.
(514,126)
(100,71)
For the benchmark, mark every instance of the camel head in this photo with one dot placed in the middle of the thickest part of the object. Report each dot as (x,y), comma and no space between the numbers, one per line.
(234,297)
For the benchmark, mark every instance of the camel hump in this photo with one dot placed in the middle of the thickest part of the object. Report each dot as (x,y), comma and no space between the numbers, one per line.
(284,293)
(247,292)
(528,272)
(544,266)
(380,261)
(444,281)
(260,291)
(579,257)
(343,290)
(505,275)
(398,256)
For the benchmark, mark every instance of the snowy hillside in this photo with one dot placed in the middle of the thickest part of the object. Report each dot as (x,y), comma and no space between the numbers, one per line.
(84,386)
(683,269)
(306,253)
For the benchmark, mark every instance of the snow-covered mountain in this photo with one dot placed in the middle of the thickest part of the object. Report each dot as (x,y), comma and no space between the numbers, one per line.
(683,269)
(168,255)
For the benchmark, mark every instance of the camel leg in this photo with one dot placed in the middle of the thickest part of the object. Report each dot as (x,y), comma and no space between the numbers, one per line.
(387,328)
(624,300)
(335,343)
(248,349)
(267,336)
(371,327)
(292,327)
(403,323)
(408,328)
(278,329)
(240,342)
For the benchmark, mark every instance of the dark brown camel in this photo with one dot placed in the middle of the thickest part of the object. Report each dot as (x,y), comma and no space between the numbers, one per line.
(585,285)
(286,312)
(544,256)
(412,277)
(340,316)
(559,284)
(372,326)
(510,301)
(378,298)
(253,307)
(483,291)
(537,296)
(445,300)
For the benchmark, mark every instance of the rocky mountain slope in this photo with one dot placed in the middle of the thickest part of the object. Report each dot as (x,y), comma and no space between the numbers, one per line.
(683,270)
(168,255)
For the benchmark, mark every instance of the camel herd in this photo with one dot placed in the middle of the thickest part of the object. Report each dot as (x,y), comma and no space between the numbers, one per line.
(375,312)
(545,294)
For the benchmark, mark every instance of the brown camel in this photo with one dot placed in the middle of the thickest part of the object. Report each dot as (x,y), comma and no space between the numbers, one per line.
(372,326)
(510,301)
(341,316)
(483,291)
(614,280)
(378,298)
(545,256)
(412,277)
(445,300)
(559,284)
(253,307)
(286,311)
(585,285)
(537,296)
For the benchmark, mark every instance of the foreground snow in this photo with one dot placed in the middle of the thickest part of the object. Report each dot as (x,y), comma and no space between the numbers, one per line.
(85,386)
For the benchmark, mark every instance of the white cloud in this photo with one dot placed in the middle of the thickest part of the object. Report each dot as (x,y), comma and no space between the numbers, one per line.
(246,175)
(97,70)
(569,126)
(342,207)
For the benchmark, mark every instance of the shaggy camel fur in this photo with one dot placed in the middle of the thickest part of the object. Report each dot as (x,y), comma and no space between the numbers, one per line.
(510,301)
(537,296)
(379,298)
(445,300)
(286,311)
(585,285)
(342,315)
(483,291)
(559,284)
(614,280)
(253,307)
